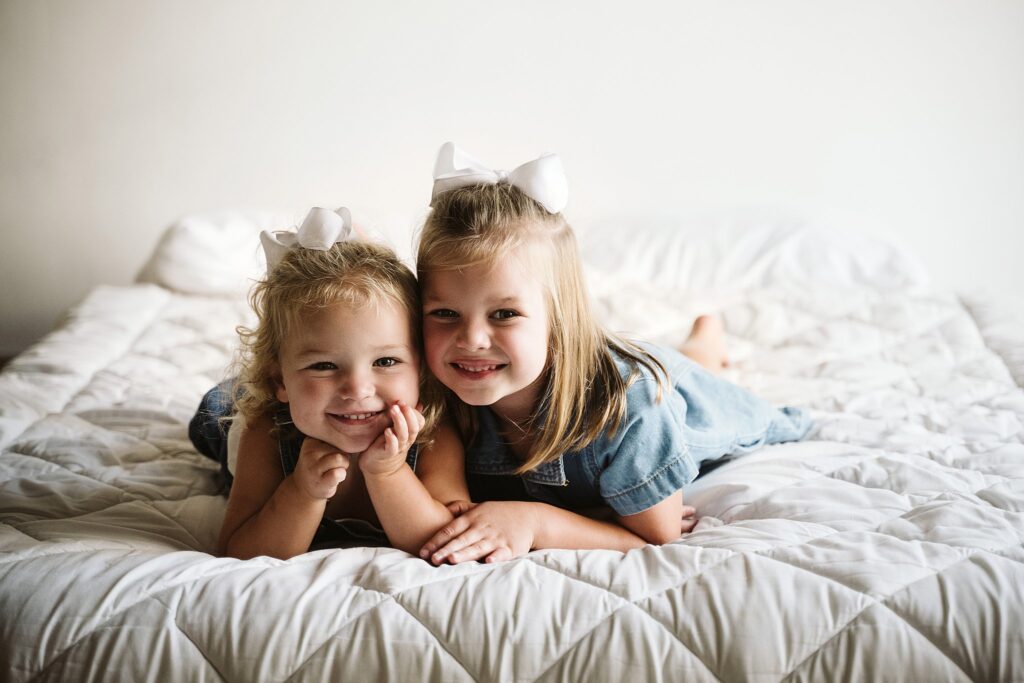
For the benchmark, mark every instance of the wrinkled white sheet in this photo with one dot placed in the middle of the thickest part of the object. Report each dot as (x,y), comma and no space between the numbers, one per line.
(888,546)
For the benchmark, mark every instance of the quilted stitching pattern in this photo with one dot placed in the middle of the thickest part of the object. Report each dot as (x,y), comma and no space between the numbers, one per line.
(890,545)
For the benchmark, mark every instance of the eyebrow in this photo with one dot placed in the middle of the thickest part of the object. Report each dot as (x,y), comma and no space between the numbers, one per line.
(383,348)
(490,302)
(392,347)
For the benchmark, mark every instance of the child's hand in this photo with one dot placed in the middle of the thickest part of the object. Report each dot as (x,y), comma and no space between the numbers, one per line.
(492,531)
(320,469)
(457,507)
(387,454)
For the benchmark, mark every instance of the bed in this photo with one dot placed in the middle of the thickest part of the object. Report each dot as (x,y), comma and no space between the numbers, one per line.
(889,545)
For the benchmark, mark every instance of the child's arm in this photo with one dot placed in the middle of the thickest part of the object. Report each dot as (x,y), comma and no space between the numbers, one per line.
(268,513)
(501,530)
(660,523)
(412,508)
(441,468)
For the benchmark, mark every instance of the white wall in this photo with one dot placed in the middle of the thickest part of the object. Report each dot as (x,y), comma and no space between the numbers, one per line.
(898,117)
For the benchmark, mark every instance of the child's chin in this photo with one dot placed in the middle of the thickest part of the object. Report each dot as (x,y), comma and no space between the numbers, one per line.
(351,446)
(476,398)
(347,445)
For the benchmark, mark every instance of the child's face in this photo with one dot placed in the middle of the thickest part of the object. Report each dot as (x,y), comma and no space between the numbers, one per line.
(343,367)
(485,334)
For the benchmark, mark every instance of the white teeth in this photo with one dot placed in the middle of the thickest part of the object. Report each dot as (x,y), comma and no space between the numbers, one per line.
(357,416)
(480,368)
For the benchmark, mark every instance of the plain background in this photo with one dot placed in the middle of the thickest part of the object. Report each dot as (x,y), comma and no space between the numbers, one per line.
(898,118)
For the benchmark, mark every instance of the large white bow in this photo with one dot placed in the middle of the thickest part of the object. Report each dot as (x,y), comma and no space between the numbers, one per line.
(542,179)
(321,229)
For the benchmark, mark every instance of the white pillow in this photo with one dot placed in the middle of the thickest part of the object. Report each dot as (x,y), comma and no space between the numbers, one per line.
(726,255)
(219,254)
(215,254)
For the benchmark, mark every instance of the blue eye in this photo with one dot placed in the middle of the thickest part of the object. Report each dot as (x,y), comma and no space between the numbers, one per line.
(388,362)
(322,366)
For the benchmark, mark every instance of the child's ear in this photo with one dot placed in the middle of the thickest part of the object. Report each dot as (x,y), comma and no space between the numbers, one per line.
(280,391)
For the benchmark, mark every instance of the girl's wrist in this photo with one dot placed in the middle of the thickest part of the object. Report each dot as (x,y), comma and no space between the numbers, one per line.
(532,516)
(297,495)
(382,473)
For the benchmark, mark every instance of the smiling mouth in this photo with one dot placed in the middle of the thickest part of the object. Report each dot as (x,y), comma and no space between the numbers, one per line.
(355,418)
(477,370)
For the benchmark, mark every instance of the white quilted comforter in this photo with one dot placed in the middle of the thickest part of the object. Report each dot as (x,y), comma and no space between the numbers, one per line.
(887,546)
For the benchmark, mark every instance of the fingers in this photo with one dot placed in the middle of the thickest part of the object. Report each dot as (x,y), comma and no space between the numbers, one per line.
(332,461)
(475,542)
(446,534)
(486,531)
(407,422)
(321,468)
(472,544)
(392,442)
(688,511)
(331,469)
(501,554)
(450,550)
(458,507)
(322,455)
(399,424)
(414,418)
(334,476)
(483,548)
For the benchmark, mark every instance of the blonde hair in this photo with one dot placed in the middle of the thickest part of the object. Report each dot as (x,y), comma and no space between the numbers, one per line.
(584,393)
(356,273)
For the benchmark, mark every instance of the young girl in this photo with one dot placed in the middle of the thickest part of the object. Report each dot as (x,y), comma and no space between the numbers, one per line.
(327,425)
(557,415)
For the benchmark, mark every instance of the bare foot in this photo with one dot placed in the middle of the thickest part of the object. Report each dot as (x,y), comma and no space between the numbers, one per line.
(689,519)
(706,344)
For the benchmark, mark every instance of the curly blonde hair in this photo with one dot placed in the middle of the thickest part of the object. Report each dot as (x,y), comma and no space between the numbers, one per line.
(584,392)
(354,272)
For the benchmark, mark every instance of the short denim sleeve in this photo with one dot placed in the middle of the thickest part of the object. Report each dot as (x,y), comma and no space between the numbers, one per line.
(647,459)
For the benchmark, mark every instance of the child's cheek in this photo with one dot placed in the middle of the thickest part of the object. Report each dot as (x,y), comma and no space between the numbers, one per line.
(433,355)
(435,365)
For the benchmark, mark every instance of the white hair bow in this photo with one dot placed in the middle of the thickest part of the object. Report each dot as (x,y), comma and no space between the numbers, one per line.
(321,230)
(542,179)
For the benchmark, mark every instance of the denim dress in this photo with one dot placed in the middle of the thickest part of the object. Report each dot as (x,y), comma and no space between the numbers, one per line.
(208,431)
(659,446)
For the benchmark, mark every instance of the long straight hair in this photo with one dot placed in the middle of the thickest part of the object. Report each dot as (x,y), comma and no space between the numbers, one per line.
(584,393)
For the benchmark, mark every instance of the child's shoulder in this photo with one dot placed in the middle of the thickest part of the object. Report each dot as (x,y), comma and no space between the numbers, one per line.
(649,378)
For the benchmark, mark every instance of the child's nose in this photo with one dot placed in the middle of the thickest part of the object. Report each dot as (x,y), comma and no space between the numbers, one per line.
(356,385)
(473,335)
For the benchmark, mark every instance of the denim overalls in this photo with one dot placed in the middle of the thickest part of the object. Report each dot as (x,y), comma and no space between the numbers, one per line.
(658,448)
(208,431)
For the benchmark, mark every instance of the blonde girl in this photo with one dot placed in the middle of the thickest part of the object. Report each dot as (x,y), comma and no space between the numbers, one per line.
(558,416)
(331,412)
